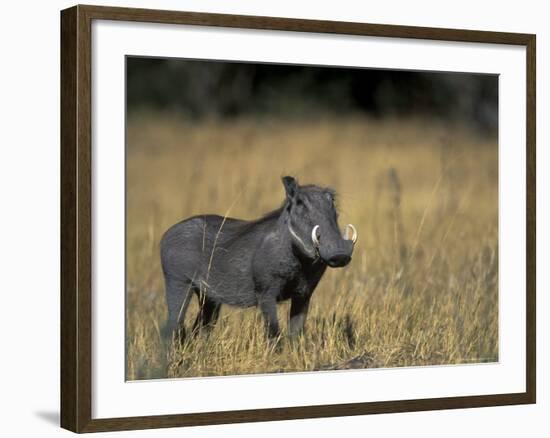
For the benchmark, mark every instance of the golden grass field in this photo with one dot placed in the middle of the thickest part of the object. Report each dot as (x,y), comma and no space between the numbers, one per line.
(422,288)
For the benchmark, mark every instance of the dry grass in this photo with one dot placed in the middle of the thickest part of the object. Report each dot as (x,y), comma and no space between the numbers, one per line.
(421,289)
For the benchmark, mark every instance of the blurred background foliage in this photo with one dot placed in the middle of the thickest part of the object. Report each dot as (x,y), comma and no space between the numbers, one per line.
(206,89)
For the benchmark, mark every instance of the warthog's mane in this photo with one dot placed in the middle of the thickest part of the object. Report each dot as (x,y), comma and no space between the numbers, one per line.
(241,227)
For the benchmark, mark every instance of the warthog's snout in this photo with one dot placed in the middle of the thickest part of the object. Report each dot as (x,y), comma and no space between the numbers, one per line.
(338,260)
(335,251)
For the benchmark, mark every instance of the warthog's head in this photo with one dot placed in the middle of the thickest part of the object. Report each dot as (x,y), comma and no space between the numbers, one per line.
(312,221)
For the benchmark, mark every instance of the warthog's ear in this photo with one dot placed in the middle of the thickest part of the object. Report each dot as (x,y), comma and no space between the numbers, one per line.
(291,186)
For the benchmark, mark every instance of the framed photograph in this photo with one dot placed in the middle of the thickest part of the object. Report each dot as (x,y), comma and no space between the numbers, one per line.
(269,218)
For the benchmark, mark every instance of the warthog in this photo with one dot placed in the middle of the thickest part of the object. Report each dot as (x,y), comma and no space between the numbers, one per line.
(280,256)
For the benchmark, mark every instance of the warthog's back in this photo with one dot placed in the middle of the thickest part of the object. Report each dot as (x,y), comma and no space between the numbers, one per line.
(215,255)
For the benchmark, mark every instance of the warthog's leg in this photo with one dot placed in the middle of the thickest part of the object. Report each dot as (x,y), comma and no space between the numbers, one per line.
(178,295)
(298,313)
(208,315)
(268,306)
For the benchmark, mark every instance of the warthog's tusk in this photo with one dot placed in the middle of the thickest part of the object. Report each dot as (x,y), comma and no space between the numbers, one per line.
(354,233)
(314,237)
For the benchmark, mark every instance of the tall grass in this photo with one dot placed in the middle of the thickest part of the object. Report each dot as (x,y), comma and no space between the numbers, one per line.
(422,287)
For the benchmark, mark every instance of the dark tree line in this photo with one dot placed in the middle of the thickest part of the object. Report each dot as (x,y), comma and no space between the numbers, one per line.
(228,89)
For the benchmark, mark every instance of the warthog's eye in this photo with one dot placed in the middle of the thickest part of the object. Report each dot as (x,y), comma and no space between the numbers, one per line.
(299,202)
